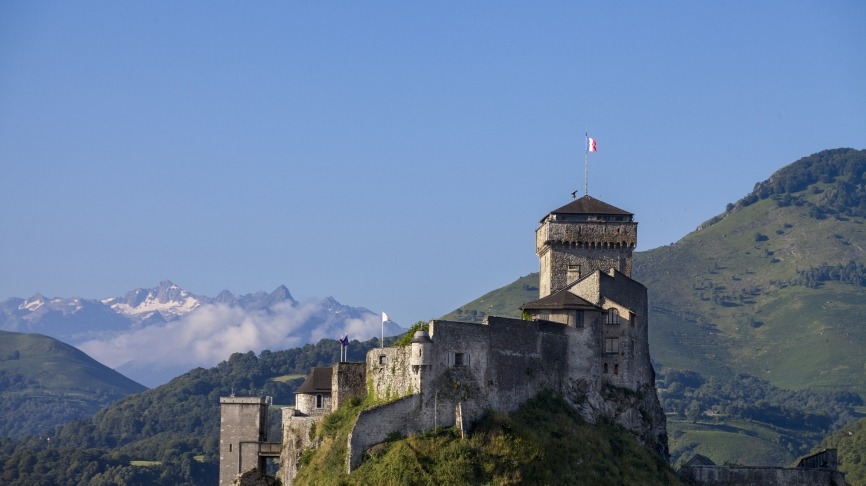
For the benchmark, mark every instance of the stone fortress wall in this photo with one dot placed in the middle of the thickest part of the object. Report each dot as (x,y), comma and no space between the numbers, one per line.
(498,365)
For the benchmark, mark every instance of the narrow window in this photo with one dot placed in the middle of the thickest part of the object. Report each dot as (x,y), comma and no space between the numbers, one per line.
(458,359)
(578,321)
(230,447)
(319,400)
(612,317)
(383,360)
(605,368)
(611,345)
(616,368)
(573,274)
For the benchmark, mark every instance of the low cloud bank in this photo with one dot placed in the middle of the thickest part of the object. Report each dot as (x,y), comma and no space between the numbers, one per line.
(213,332)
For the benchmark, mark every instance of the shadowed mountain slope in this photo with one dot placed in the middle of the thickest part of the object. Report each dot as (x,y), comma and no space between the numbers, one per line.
(44,383)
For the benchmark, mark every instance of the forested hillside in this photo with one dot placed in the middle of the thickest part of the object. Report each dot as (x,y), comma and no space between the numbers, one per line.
(168,435)
(45,383)
(850,445)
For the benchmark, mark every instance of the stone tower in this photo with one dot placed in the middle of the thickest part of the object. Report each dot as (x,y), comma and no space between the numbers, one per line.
(581,237)
(243,430)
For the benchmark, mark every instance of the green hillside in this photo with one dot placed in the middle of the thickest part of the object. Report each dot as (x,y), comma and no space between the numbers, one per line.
(44,383)
(774,288)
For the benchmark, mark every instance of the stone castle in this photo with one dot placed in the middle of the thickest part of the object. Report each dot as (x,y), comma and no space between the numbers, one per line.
(584,339)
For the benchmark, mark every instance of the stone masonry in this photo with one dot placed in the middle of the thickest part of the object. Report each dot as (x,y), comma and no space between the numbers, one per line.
(243,426)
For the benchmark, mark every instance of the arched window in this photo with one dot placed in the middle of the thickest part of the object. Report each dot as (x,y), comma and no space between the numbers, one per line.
(612,317)
(319,401)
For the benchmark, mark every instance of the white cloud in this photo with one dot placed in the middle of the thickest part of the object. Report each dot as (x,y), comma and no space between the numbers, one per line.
(212,333)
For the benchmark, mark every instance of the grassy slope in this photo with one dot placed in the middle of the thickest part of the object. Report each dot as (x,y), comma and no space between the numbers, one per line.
(545,442)
(58,367)
(721,301)
(46,382)
(733,441)
(502,302)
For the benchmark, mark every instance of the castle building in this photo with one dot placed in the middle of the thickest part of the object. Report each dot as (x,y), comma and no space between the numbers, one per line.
(585,339)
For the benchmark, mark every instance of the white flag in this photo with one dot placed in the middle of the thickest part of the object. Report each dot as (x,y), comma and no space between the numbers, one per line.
(385,319)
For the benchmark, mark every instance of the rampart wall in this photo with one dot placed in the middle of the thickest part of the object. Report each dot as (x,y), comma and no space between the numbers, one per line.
(374,425)
(389,372)
(494,366)
(763,476)
(296,438)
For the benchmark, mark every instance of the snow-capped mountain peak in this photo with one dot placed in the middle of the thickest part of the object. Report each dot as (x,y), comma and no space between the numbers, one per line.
(33,303)
(167,298)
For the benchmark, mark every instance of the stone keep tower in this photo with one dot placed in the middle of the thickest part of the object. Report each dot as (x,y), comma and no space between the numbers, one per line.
(243,433)
(581,237)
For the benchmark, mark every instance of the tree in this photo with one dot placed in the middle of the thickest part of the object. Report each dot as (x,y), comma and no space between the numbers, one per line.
(693,411)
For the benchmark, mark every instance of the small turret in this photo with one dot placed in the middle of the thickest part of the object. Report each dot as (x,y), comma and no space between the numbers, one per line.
(421,349)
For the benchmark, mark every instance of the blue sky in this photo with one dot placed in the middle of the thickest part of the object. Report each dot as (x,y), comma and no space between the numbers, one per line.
(394,155)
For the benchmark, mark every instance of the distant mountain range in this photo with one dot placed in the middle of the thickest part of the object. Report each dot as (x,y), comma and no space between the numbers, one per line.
(153,335)
(76,319)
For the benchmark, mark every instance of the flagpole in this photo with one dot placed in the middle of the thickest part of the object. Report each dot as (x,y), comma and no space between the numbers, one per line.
(586,165)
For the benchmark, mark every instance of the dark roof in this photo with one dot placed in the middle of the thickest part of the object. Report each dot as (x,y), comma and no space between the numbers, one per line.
(589,205)
(318,381)
(699,460)
(562,299)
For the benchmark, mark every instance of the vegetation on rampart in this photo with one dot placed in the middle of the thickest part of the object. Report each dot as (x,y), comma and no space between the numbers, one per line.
(406,339)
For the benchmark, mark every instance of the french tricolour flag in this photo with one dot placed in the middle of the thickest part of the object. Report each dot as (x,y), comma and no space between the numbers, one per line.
(590,144)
